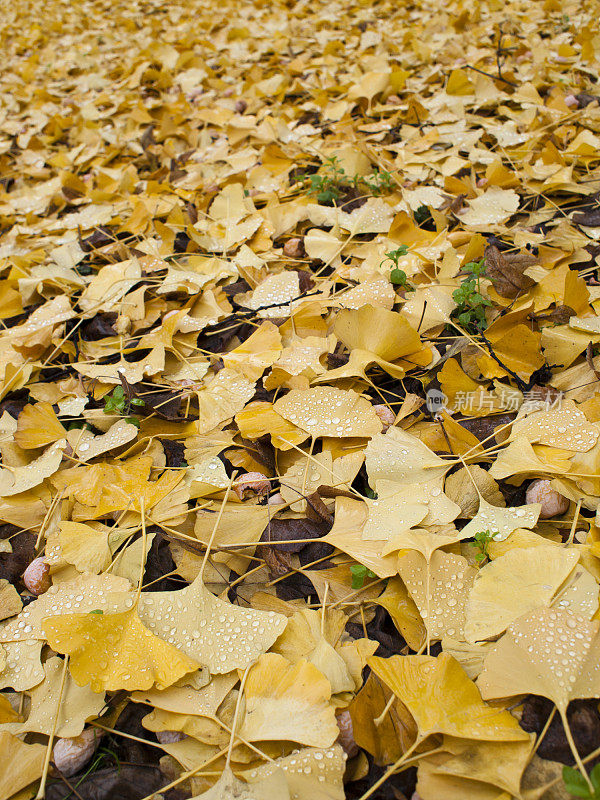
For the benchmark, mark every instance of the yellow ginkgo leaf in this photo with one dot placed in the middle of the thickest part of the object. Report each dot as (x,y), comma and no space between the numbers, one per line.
(375,290)
(132,371)
(469,656)
(501,522)
(463,393)
(299,363)
(288,702)
(202,702)
(382,725)
(213,632)
(74,706)
(275,295)
(87,593)
(10,600)
(115,651)
(399,456)
(327,411)
(474,767)
(21,764)
(107,485)
(460,489)
(521,459)
(391,511)
(260,418)
(224,396)
(512,585)
(346,535)
(38,426)
(440,588)
(269,787)
(458,711)
(386,334)
(550,653)
(14,480)
(311,773)
(21,665)
(491,208)
(404,613)
(87,549)
(322,244)
(565,427)
(424,541)
(205,728)
(87,446)
(258,352)
(7,712)
(305,474)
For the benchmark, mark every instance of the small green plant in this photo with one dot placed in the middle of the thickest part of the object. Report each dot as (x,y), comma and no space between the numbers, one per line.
(332,182)
(482,541)
(104,755)
(397,275)
(117,402)
(359,572)
(577,786)
(377,183)
(471,302)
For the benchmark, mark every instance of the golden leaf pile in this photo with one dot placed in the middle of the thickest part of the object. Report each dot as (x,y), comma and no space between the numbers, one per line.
(299,397)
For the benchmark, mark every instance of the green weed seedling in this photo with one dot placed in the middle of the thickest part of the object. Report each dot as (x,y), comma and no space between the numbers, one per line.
(117,403)
(397,275)
(482,541)
(359,572)
(332,182)
(471,302)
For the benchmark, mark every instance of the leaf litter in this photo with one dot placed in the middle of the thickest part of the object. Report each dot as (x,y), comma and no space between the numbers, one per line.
(299,402)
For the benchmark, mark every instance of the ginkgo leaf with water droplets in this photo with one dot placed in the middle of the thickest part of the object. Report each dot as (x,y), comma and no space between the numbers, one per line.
(458,709)
(71,707)
(501,522)
(391,511)
(440,588)
(311,773)
(327,411)
(86,593)
(551,653)
(399,456)
(22,668)
(288,702)
(213,632)
(491,208)
(87,446)
(272,786)
(115,651)
(275,295)
(565,427)
(222,398)
(555,654)
(512,585)
(14,480)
